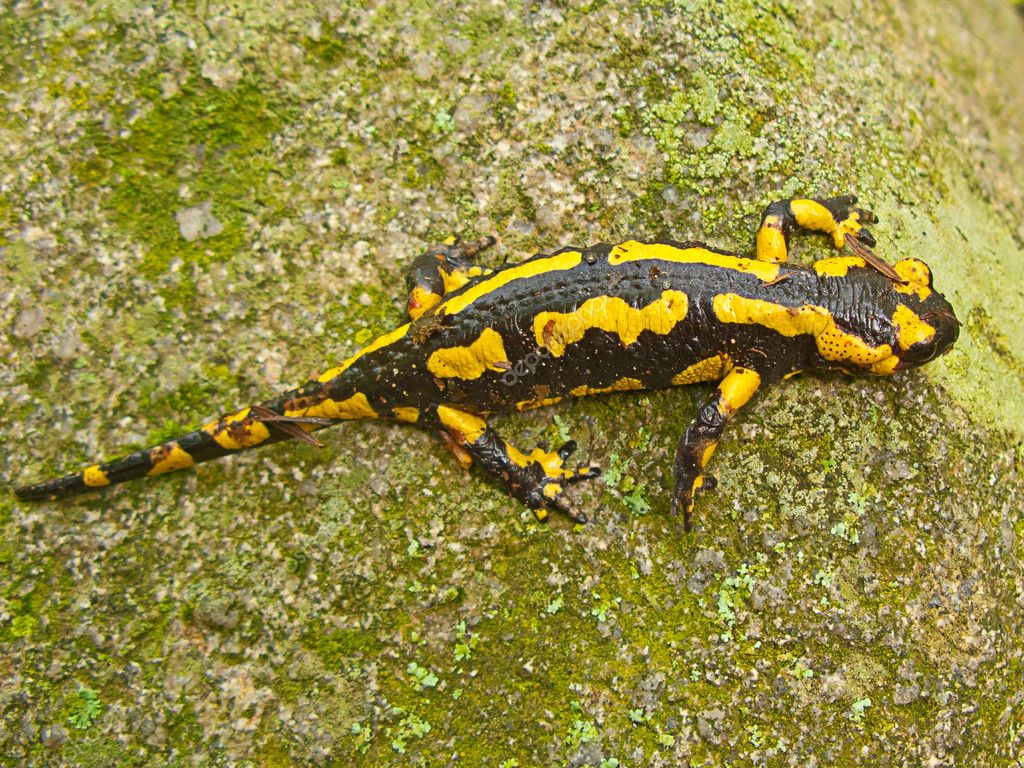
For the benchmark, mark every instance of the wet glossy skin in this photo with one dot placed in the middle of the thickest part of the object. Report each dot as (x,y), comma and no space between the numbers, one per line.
(581,322)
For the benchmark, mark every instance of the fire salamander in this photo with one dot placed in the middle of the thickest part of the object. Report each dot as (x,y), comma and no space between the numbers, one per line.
(631,316)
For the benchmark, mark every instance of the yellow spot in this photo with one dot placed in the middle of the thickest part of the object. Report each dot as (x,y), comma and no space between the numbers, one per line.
(454,279)
(771,243)
(709,369)
(465,425)
(789,321)
(697,485)
(918,277)
(557,330)
(541,513)
(551,490)
(537,402)
(549,461)
(708,452)
(167,458)
(420,301)
(812,215)
(791,374)
(557,263)
(95,477)
(484,354)
(833,343)
(382,341)
(837,266)
(450,240)
(406,413)
(885,366)
(621,385)
(237,432)
(355,407)
(912,329)
(736,389)
(634,251)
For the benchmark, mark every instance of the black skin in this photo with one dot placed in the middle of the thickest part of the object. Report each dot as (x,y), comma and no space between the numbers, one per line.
(396,375)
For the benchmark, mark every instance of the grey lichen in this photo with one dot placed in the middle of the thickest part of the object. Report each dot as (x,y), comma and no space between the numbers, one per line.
(852,593)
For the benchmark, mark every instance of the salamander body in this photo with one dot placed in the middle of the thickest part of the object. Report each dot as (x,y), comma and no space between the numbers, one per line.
(586,321)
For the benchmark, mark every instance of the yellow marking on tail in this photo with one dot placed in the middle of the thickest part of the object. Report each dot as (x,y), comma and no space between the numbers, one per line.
(169,457)
(355,407)
(238,432)
(94,477)
(380,342)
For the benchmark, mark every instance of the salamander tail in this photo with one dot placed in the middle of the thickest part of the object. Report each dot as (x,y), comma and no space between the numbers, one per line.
(190,449)
(247,428)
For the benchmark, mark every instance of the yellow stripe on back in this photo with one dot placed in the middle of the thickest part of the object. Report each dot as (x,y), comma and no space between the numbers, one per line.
(557,263)
(833,343)
(635,251)
(378,343)
(837,266)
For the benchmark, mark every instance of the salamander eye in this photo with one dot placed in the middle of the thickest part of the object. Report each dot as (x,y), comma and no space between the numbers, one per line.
(915,272)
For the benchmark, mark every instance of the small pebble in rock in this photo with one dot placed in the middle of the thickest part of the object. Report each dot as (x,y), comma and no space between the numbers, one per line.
(198,222)
(30,322)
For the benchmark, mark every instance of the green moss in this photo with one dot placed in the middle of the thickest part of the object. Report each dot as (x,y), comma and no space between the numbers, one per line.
(215,142)
(590,643)
(981,325)
(337,648)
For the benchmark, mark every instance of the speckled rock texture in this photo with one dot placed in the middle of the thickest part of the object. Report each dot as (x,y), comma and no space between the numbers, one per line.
(203,203)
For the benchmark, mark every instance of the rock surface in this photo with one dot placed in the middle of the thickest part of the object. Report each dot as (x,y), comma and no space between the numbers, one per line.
(854,591)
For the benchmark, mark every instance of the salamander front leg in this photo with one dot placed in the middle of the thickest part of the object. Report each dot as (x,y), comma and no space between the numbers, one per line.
(835,216)
(537,479)
(441,270)
(701,437)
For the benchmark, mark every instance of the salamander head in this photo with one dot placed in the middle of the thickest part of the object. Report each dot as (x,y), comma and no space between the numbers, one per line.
(924,321)
(877,324)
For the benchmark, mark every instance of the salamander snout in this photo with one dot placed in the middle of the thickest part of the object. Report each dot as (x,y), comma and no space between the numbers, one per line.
(946,330)
(925,322)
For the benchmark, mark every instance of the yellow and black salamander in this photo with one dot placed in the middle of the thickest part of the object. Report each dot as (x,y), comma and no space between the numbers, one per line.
(585,321)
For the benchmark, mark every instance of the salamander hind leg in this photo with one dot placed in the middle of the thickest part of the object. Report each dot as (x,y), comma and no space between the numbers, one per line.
(836,216)
(701,438)
(442,269)
(538,479)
